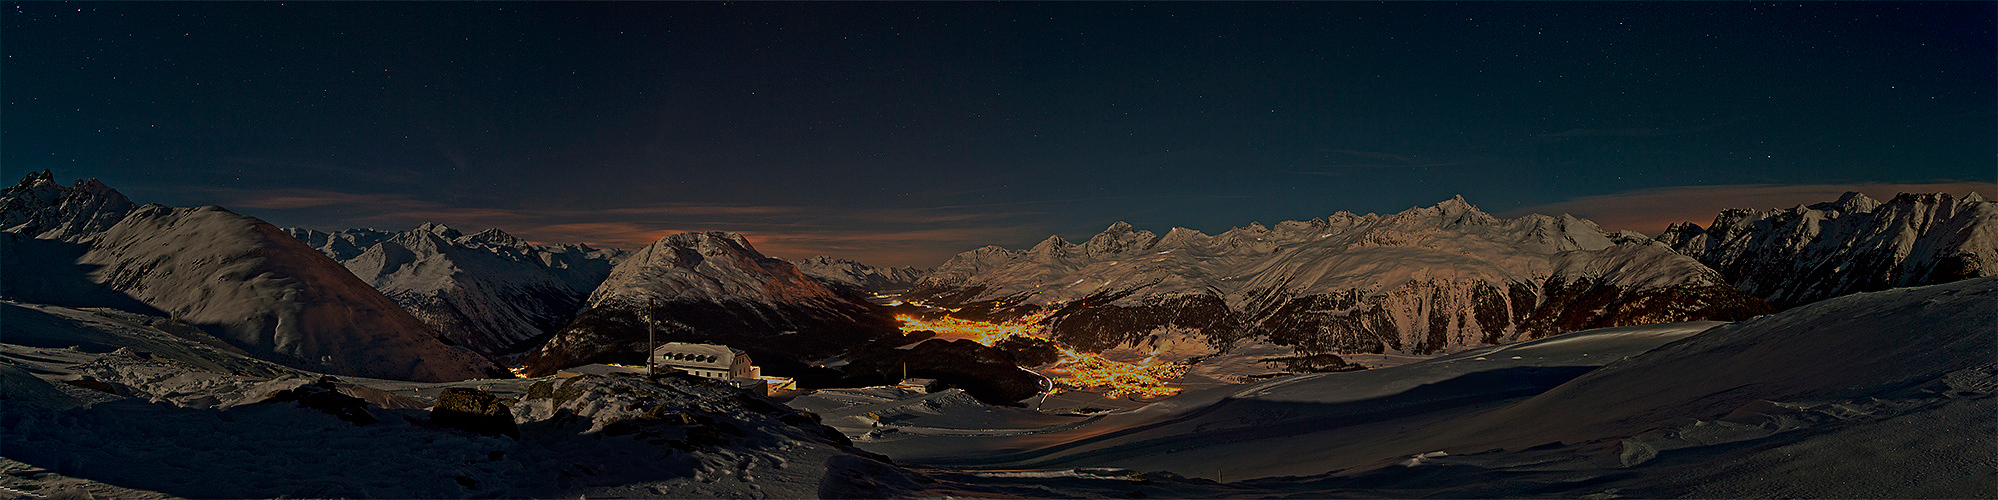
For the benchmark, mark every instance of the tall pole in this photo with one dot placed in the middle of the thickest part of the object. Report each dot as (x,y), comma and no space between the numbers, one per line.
(651,347)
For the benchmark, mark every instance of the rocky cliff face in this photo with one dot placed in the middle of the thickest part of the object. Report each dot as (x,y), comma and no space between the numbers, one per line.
(713,287)
(1809,253)
(842,272)
(236,277)
(488,291)
(1423,281)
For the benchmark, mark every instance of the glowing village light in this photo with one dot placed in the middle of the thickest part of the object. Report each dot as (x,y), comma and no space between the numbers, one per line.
(1146,378)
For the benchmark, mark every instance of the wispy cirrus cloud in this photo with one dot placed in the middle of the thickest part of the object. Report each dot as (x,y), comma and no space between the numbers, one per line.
(881,236)
(1650,210)
(705,209)
(1337,162)
(285,199)
(1575,133)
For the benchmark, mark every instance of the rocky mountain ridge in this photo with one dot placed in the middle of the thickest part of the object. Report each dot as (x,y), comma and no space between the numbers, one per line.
(489,291)
(857,275)
(713,287)
(236,277)
(1422,281)
(1856,244)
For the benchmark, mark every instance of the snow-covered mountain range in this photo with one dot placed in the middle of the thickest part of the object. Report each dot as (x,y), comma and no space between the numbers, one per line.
(1426,280)
(1809,253)
(236,277)
(712,287)
(857,275)
(488,291)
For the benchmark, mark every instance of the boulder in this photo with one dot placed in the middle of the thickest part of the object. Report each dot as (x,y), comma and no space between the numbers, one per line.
(474,410)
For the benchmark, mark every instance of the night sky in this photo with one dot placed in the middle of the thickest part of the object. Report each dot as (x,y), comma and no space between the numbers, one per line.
(904,133)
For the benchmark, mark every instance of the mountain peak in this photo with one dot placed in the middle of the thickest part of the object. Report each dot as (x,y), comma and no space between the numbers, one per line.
(1119,238)
(1457,205)
(1450,212)
(1850,202)
(1456,201)
(34,178)
(496,237)
(711,242)
(1973,197)
(439,229)
(1920,198)
(1054,246)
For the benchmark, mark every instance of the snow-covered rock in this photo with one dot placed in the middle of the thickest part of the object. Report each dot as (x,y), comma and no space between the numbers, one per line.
(178,423)
(236,277)
(489,291)
(1809,253)
(844,272)
(1423,281)
(712,287)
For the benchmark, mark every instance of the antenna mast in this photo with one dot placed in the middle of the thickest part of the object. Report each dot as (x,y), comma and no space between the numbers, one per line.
(651,345)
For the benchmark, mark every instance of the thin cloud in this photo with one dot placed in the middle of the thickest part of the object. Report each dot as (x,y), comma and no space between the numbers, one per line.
(288,199)
(1377,155)
(917,247)
(1079,200)
(1625,132)
(1367,167)
(880,236)
(1649,211)
(1349,159)
(701,209)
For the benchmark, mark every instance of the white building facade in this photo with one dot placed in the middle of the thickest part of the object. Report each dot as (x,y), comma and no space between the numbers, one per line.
(706,360)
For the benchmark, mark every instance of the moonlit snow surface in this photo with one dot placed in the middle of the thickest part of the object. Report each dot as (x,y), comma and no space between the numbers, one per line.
(1885,394)
(188,420)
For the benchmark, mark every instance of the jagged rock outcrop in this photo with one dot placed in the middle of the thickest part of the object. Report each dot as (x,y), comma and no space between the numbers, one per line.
(842,272)
(488,291)
(1426,280)
(1804,254)
(236,277)
(713,287)
(474,410)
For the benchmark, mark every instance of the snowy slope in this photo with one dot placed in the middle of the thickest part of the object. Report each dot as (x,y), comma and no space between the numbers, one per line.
(1423,281)
(857,275)
(172,425)
(1885,394)
(236,277)
(712,287)
(488,291)
(1809,253)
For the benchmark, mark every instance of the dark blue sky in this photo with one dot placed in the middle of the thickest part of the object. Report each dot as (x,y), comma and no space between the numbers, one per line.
(903,133)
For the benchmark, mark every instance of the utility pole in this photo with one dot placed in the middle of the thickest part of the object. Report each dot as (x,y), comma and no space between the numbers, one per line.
(651,345)
(1044,392)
